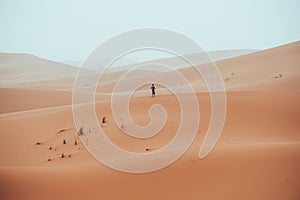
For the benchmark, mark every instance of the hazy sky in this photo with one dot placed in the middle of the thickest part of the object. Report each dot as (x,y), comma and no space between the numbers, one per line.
(70,30)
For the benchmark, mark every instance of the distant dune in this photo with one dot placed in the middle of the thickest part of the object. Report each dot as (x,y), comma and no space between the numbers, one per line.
(257,156)
(125,63)
(19,68)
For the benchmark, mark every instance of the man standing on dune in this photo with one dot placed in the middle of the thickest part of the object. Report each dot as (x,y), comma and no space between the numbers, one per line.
(153,90)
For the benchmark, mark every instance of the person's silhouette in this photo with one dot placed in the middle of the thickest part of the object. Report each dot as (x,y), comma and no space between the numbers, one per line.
(153,90)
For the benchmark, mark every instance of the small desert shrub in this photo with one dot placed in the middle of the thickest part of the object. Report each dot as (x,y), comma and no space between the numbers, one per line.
(80,132)
(64,141)
(62,155)
(122,126)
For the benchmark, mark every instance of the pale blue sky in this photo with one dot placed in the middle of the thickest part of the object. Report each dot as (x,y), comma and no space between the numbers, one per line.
(70,30)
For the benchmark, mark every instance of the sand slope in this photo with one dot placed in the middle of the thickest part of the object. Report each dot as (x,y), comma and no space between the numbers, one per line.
(257,156)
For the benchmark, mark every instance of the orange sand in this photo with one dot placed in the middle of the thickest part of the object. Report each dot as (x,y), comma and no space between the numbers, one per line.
(257,156)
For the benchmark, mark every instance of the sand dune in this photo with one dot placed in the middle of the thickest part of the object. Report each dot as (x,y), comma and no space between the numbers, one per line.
(176,63)
(257,156)
(20,68)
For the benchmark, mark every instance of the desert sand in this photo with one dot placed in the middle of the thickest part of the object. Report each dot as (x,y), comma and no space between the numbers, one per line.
(256,157)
